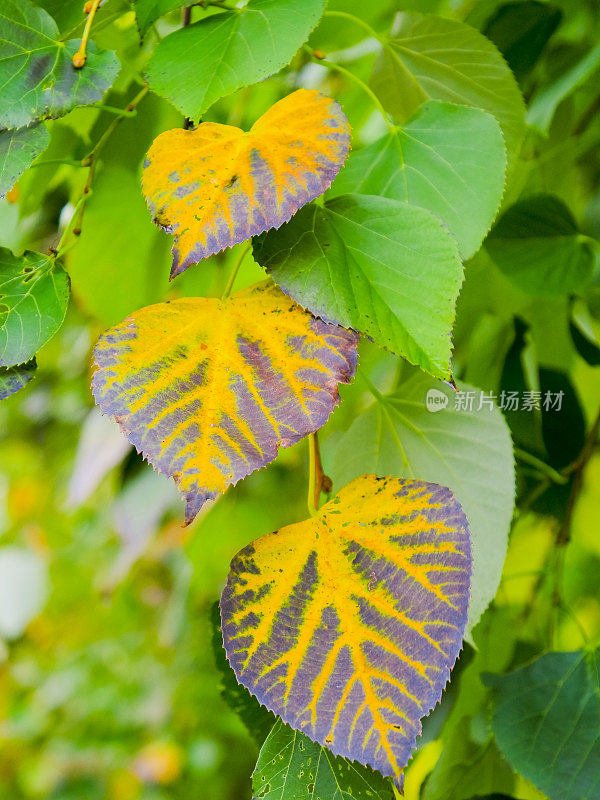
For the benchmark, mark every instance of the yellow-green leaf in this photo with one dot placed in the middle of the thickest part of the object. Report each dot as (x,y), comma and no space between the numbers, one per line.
(208,390)
(217,185)
(347,624)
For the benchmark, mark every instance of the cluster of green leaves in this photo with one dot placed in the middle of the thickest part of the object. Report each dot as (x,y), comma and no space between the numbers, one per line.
(442,142)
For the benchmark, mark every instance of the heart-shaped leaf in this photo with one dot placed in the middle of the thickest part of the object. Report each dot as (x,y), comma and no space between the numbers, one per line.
(37,75)
(196,65)
(208,390)
(386,268)
(217,185)
(347,624)
(427,164)
(34,295)
(14,378)
(434,58)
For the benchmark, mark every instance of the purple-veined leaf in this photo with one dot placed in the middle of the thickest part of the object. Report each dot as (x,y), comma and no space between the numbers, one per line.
(347,624)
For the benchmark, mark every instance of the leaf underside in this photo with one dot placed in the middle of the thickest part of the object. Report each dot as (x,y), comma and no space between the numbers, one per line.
(215,186)
(347,624)
(208,390)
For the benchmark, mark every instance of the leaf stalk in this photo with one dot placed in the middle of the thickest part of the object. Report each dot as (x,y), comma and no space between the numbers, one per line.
(235,270)
(317,480)
(331,65)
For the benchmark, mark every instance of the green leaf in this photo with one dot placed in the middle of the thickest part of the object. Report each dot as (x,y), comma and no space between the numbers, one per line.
(537,245)
(197,65)
(381,266)
(466,767)
(546,723)
(418,433)
(14,378)
(37,75)
(256,718)
(292,767)
(520,30)
(544,104)
(148,11)
(34,294)
(18,150)
(583,333)
(441,59)
(448,159)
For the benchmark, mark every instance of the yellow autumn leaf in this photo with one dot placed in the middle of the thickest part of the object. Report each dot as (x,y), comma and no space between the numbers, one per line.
(347,624)
(217,185)
(209,389)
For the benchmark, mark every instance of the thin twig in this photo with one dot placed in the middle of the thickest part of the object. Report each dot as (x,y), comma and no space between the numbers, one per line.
(186,16)
(80,56)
